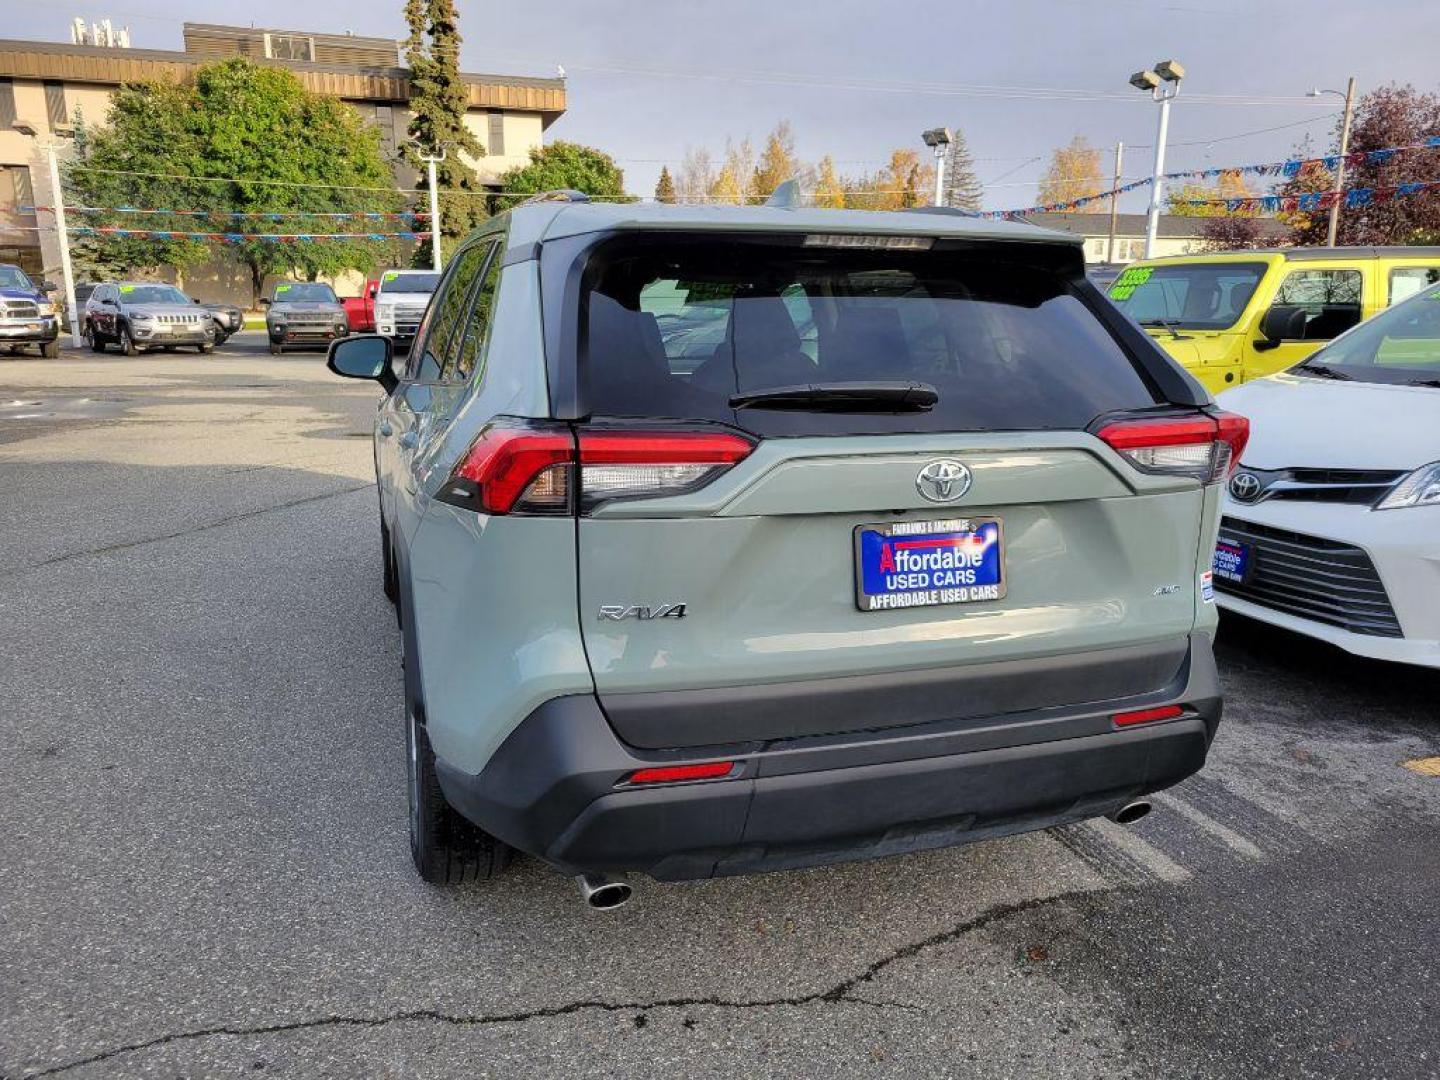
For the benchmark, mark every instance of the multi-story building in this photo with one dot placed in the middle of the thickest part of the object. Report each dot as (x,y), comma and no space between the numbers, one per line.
(43,86)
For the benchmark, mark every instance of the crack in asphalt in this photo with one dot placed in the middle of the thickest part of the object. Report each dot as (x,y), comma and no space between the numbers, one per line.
(841,992)
(206,527)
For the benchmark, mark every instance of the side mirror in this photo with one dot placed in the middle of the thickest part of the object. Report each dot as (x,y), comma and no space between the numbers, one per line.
(49,287)
(1283,322)
(363,356)
(195,299)
(265,301)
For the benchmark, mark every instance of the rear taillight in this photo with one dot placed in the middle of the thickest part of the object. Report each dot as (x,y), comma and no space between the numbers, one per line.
(531,467)
(641,464)
(1206,446)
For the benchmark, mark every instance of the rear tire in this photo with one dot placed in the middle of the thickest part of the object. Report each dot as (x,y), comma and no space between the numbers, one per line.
(446,849)
(50,350)
(127,343)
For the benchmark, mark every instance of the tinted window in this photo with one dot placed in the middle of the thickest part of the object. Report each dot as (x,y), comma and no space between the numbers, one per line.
(392,282)
(437,335)
(1406,281)
(677,332)
(477,326)
(304,292)
(1329,300)
(1196,296)
(1401,345)
(152,294)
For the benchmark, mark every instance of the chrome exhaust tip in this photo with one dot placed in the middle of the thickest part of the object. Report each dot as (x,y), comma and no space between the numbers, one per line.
(604,893)
(1131,812)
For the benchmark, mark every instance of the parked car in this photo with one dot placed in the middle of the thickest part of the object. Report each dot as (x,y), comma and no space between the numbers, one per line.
(1332,521)
(401,302)
(228,318)
(1234,317)
(360,310)
(139,316)
(947,579)
(28,315)
(303,314)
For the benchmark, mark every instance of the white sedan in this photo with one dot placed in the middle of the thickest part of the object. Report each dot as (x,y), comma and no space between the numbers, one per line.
(1331,522)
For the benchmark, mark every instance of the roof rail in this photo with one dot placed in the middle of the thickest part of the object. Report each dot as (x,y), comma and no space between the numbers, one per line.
(557,195)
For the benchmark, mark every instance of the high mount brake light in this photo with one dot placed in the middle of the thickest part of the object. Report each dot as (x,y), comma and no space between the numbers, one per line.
(530,467)
(1206,446)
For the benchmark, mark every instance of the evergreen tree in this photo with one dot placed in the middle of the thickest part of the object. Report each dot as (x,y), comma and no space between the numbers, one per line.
(962,187)
(438,103)
(665,186)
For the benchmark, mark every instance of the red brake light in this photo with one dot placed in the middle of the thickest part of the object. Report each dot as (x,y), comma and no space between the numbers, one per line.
(504,461)
(1204,446)
(1147,716)
(529,467)
(670,774)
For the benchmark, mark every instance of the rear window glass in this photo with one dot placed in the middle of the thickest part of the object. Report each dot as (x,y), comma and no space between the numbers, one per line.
(677,332)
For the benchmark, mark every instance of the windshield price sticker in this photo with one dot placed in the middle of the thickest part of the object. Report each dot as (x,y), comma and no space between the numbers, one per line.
(281,289)
(1126,283)
(390,275)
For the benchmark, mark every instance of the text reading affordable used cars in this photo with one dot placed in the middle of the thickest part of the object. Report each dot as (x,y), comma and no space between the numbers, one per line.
(742,539)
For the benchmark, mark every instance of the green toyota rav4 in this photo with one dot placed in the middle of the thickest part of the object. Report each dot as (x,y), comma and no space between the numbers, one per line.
(746,538)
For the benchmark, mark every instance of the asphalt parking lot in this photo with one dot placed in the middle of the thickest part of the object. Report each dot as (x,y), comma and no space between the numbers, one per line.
(205,870)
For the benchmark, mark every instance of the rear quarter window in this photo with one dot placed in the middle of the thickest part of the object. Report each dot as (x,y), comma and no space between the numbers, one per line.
(676,332)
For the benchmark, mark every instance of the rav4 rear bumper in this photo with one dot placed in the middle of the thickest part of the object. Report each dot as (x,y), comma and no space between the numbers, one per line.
(556,787)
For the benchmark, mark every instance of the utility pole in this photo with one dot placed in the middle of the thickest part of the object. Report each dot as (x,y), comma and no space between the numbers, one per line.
(1115,200)
(62,237)
(430,162)
(1340,168)
(1163,83)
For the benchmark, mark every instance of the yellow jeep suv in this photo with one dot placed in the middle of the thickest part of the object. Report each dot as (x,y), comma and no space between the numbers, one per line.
(1233,317)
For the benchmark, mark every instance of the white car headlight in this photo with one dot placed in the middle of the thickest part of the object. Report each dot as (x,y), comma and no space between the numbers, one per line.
(46,309)
(141,316)
(1420,488)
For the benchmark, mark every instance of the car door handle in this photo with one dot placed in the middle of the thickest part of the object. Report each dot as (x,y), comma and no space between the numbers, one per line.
(409,439)
(386,430)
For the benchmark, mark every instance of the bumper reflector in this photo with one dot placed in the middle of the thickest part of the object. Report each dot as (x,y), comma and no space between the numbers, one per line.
(670,774)
(1147,716)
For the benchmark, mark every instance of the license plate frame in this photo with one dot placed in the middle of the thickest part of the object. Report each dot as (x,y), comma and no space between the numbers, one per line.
(1238,561)
(932,534)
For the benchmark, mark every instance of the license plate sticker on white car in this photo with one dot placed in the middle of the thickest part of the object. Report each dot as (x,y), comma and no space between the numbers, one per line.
(1232,560)
(924,563)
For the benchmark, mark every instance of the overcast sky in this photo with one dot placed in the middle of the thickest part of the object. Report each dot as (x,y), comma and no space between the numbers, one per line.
(857,77)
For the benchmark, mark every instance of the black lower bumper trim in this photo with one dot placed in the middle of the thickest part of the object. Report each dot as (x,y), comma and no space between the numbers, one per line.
(551,789)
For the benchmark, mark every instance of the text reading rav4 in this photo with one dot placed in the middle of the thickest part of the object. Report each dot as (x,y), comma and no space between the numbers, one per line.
(730,540)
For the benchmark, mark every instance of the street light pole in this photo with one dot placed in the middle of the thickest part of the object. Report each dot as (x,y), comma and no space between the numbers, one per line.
(62,237)
(1334,228)
(1163,83)
(431,161)
(1115,200)
(938,139)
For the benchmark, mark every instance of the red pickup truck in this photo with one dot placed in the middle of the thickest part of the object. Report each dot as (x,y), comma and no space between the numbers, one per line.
(360,310)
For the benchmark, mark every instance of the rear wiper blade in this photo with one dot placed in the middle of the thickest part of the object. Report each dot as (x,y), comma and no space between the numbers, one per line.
(1320,371)
(843,397)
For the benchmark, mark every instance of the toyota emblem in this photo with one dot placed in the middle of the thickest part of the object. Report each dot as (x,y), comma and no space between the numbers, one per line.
(1245,487)
(943,481)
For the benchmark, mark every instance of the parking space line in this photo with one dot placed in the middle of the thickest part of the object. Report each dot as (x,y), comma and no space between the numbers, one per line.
(1147,855)
(1226,835)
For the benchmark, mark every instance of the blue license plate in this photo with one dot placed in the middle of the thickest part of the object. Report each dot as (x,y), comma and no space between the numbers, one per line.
(924,563)
(1232,560)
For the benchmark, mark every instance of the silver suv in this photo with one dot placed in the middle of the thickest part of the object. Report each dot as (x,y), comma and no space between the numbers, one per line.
(918,553)
(301,314)
(141,315)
